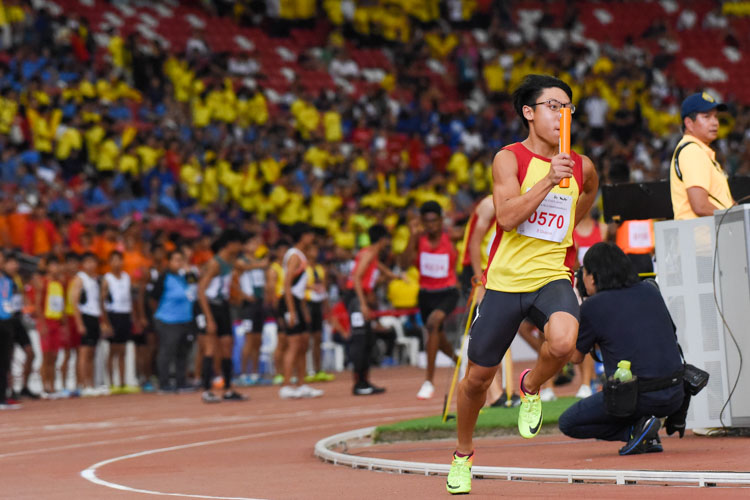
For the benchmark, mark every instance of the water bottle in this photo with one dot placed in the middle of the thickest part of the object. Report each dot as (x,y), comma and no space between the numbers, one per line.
(623,373)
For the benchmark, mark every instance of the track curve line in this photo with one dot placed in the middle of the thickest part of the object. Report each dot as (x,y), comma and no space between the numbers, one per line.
(691,478)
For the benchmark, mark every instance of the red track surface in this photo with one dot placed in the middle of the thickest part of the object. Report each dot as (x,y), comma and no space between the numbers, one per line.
(264,449)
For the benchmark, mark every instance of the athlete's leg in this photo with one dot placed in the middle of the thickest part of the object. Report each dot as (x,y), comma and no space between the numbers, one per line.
(472,393)
(560,334)
(317,338)
(436,341)
(227,367)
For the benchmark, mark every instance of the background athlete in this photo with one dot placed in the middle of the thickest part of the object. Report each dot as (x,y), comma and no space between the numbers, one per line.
(529,272)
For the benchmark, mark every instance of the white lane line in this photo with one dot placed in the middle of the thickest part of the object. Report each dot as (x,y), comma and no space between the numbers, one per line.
(345,411)
(90,473)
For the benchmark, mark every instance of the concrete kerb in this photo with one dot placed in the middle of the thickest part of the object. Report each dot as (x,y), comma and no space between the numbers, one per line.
(324,451)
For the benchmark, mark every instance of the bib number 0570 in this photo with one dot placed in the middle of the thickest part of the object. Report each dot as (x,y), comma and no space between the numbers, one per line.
(547,219)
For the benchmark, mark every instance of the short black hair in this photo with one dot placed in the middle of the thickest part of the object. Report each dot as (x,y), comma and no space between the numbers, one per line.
(89,255)
(376,233)
(72,256)
(225,238)
(431,207)
(609,266)
(172,253)
(529,90)
(298,230)
(692,116)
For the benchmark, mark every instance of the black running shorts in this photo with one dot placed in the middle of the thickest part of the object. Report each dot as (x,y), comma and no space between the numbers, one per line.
(223,318)
(92,331)
(430,300)
(255,313)
(316,316)
(500,314)
(122,327)
(301,326)
(20,334)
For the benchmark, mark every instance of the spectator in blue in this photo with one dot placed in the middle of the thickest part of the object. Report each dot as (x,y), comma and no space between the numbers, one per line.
(175,291)
(7,329)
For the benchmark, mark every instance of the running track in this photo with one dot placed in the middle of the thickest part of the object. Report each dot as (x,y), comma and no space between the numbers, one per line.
(149,445)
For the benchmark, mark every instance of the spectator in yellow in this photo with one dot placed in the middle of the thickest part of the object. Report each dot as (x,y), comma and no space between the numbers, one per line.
(697,182)
(107,153)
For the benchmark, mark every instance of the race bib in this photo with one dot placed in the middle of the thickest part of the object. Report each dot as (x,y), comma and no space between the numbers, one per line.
(551,220)
(16,303)
(434,265)
(56,303)
(357,320)
(639,234)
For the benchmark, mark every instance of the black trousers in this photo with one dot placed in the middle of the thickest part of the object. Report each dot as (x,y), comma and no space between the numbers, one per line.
(6,351)
(362,339)
(588,418)
(173,348)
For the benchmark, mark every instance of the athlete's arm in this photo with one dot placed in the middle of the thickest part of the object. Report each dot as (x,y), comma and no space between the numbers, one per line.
(410,252)
(590,188)
(39,310)
(513,207)
(270,289)
(75,292)
(104,290)
(292,265)
(485,218)
(212,269)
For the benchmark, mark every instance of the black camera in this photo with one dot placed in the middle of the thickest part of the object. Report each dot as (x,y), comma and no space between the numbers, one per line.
(695,379)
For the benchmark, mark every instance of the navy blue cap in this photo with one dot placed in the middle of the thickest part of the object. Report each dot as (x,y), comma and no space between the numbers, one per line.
(700,103)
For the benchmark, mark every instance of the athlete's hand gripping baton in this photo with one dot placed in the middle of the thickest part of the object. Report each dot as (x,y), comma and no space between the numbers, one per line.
(565,118)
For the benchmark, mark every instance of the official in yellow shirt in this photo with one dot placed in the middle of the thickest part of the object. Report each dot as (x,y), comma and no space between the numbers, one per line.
(697,182)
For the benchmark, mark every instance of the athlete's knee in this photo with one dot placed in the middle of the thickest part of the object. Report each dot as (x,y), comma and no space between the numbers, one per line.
(562,345)
(478,380)
(435,322)
(561,337)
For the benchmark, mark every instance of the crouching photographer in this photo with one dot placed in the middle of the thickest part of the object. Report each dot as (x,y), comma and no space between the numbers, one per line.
(629,321)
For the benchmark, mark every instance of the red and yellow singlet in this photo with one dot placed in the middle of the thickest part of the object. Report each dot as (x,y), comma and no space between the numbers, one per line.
(540,250)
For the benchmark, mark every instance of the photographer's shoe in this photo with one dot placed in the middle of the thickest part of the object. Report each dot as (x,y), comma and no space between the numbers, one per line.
(644,437)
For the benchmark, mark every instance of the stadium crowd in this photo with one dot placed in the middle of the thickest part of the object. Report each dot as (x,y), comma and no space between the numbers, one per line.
(122,157)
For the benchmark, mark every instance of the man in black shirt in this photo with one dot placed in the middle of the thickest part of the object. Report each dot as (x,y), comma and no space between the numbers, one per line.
(628,320)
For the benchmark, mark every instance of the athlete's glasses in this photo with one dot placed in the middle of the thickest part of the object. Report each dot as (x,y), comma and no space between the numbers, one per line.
(556,105)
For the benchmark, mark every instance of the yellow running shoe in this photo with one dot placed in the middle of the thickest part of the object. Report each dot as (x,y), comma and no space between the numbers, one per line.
(530,413)
(459,477)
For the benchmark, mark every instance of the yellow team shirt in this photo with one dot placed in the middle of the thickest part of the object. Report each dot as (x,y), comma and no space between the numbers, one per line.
(279,286)
(71,140)
(523,261)
(54,305)
(699,168)
(69,310)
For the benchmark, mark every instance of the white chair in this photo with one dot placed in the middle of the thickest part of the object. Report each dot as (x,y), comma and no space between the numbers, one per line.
(409,344)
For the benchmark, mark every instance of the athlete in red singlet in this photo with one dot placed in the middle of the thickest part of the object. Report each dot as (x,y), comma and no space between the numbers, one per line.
(435,256)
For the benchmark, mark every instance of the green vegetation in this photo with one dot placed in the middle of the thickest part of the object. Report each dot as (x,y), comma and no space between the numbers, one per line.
(491,421)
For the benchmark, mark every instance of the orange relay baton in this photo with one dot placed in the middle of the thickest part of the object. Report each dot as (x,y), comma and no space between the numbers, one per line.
(565,118)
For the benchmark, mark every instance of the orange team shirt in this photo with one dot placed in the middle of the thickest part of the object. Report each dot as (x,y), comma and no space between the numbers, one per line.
(201,257)
(17,222)
(134,263)
(5,231)
(102,248)
(40,237)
